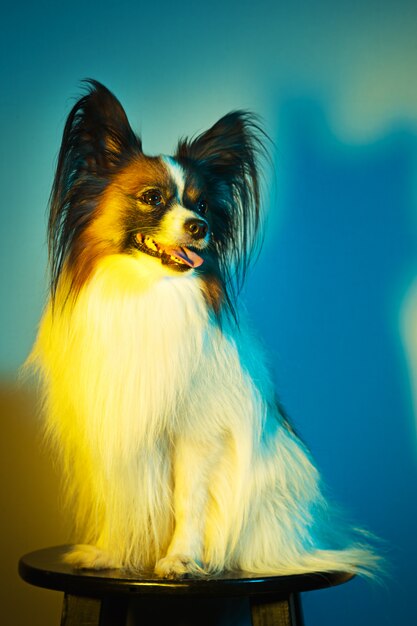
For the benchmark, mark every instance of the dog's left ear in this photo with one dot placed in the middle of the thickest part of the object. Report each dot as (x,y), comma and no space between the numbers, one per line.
(228,149)
(227,155)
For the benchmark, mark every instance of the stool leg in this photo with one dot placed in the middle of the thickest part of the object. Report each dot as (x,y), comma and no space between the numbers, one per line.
(276,612)
(296,610)
(114,611)
(82,611)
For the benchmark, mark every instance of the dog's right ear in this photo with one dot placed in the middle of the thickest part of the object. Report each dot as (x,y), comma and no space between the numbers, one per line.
(97,140)
(97,135)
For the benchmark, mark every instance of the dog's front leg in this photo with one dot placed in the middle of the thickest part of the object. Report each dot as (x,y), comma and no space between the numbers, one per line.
(194,461)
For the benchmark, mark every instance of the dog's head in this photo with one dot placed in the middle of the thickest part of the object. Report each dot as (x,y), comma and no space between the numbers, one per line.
(198,210)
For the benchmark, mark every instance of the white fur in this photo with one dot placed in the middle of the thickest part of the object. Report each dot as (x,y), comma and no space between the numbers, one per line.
(176,172)
(175,454)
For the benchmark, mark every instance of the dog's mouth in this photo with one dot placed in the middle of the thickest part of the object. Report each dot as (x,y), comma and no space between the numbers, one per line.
(181,258)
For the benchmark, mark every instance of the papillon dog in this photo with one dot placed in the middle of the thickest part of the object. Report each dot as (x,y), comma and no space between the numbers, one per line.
(177,456)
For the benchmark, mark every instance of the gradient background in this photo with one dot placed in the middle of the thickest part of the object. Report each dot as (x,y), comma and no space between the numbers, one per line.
(333,292)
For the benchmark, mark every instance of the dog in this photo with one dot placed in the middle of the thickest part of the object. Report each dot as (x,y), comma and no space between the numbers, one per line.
(176,453)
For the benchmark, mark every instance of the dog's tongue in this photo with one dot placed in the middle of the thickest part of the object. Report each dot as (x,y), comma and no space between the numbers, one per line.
(185,255)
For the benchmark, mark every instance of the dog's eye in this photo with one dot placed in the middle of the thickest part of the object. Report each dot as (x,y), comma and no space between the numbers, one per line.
(202,206)
(153,197)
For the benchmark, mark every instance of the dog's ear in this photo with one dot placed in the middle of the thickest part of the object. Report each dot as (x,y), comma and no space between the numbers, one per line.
(97,135)
(227,155)
(228,149)
(97,140)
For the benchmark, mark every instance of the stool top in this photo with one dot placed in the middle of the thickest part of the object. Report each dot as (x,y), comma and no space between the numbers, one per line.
(46,568)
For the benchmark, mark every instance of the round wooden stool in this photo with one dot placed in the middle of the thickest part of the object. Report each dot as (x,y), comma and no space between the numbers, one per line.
(103,597)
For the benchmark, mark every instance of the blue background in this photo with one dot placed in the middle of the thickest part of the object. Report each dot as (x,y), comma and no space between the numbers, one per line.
(335,84)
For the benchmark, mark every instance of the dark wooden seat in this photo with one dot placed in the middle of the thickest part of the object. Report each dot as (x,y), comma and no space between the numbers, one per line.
(106,597)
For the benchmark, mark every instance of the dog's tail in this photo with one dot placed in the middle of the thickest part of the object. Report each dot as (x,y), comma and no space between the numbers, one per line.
(328,545)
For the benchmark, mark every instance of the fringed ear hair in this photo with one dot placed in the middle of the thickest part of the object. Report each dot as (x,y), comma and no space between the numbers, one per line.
(97,139)
(228,156)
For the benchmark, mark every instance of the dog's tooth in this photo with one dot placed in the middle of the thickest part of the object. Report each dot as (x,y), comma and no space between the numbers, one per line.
(150,243)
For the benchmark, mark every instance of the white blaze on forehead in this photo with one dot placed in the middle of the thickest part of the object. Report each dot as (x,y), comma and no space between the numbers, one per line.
(177,174)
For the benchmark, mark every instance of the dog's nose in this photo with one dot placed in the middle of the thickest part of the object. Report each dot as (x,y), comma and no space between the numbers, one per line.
(196,228)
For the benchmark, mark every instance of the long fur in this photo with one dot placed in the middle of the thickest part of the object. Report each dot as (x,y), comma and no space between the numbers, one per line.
(175,452)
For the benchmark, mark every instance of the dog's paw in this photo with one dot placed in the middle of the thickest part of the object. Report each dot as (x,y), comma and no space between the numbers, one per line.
(88,557)
(178,566)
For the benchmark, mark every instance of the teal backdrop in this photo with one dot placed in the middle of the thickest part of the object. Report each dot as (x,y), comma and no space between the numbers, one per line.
(332,294)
